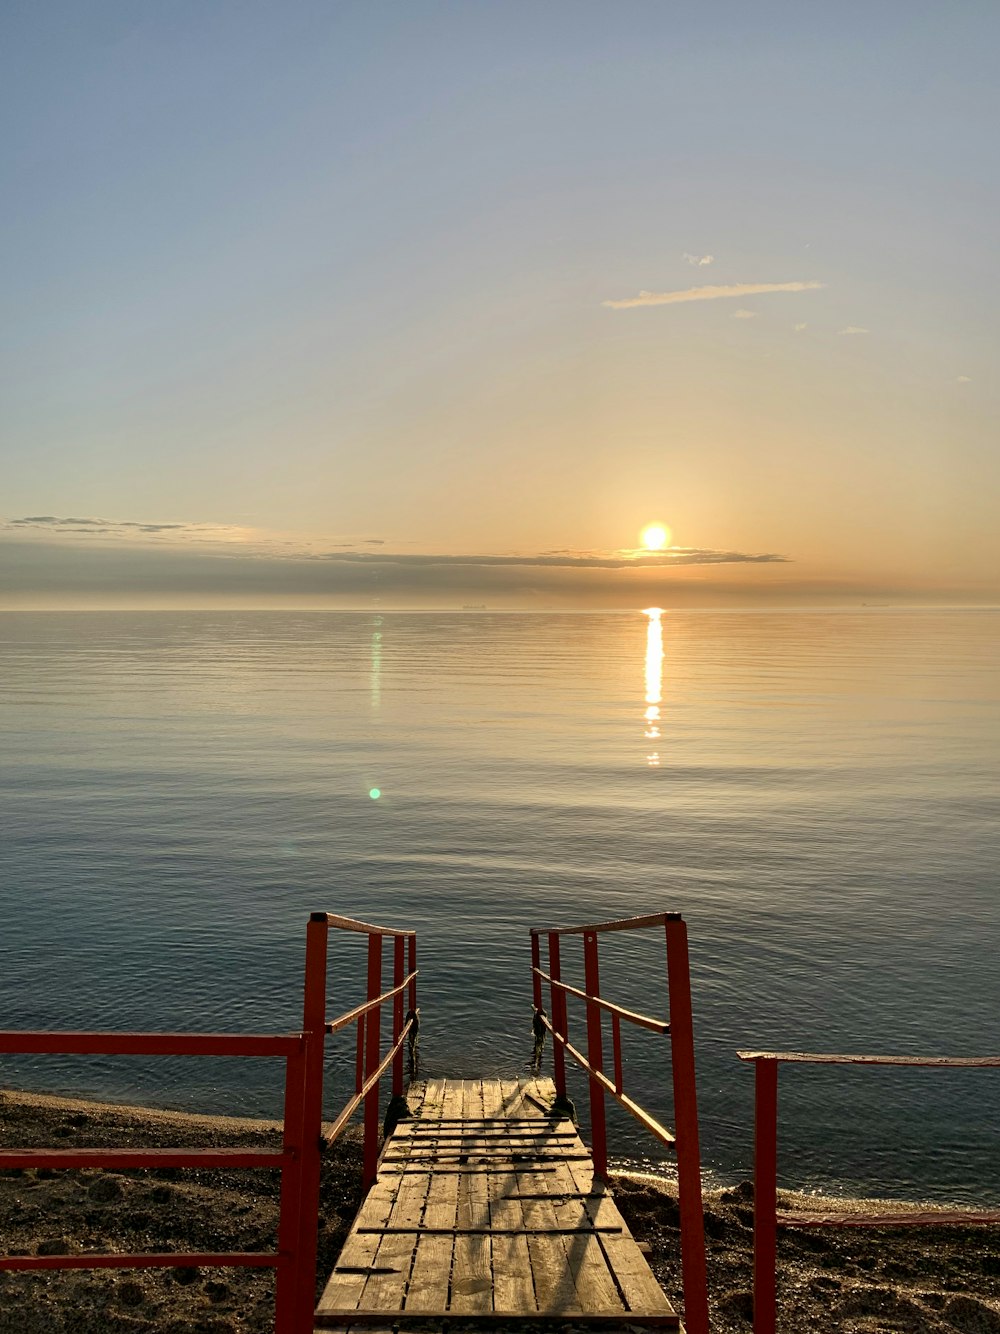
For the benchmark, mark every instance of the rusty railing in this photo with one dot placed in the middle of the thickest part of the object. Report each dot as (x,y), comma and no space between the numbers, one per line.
(766,1214)
(679,1029)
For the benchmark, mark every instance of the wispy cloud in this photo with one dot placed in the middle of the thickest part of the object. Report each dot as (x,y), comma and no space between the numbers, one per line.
(699,261)
(561,560)
(709,294)
(852,329)
(127,528)
(742,314)
(964,379)
(799,327)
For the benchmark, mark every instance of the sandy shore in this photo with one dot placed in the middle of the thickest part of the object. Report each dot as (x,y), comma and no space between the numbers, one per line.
(928,1281)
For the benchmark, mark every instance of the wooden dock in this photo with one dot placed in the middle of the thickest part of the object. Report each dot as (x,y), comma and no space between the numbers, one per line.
(486,1211)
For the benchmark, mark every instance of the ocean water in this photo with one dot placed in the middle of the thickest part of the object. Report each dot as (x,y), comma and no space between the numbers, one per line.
(816,792)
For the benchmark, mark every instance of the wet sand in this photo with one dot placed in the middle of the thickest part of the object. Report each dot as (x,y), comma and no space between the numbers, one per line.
(924,1280)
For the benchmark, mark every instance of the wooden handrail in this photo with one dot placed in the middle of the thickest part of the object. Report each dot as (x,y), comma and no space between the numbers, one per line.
(352,924)
(622,924)
(825,1058)
(642,1020)
(335,1025)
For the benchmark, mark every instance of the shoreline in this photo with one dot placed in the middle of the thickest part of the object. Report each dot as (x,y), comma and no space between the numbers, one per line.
(923,1280)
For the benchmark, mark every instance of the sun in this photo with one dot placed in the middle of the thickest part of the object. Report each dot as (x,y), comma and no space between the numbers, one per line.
(655,536)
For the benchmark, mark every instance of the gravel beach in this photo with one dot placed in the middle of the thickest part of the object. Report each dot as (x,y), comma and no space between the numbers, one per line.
(928,1281)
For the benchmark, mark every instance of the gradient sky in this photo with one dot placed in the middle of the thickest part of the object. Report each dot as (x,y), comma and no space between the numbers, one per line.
(468,279)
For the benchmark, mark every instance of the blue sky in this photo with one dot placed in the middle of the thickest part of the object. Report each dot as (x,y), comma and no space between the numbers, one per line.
(306,278)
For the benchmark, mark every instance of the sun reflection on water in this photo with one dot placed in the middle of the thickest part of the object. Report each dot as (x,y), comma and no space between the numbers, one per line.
(654,681)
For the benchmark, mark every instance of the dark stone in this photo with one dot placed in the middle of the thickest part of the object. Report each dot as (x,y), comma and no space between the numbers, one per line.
(161,1194)
(825,1283)
(972,1316)
(131,1293)
(715,1225)
(53,1246)
(218,1292)
(106,1189)
(738,1304)
(186,1276)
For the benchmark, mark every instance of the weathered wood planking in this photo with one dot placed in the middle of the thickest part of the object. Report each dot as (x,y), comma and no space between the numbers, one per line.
(485,1211)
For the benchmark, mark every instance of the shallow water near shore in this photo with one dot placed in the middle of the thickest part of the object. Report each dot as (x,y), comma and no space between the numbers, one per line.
(815,792)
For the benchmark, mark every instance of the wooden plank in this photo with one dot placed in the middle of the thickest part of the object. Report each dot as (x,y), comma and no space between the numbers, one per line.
(386,1286)
(596,1287)
(350,1274)
(890,1218)
(513,1287)
(451,1323)
(555,1291)
(430,1277)
(638,1287)
(472,1277)
(496,1148)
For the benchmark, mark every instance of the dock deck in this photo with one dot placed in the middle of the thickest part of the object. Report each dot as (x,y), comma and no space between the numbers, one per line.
(486,1210)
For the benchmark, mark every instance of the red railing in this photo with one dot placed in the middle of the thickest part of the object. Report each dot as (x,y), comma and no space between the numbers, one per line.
(302,1140)
(678,1028)
(767,1216)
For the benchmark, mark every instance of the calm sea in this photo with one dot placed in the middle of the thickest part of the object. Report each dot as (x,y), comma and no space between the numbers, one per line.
(816,792)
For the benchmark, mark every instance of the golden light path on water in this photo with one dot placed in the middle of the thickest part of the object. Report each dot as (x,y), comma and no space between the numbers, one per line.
(654,681)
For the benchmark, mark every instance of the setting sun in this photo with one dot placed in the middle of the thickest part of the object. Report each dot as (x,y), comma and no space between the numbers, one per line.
(655,536)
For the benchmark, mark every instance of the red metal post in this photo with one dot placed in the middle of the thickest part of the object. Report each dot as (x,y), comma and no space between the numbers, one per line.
(686,1112)
(372,1047)
(286,1279)
(765,1187)
(412,993)
(595,1055)
(314,1034)
(536,963)
(398,973)
(558,1004)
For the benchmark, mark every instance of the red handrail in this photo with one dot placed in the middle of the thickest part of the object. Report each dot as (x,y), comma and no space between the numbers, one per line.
(369,1072)
(766,1215)
(679,1029)
(302,1141)
(286,1260)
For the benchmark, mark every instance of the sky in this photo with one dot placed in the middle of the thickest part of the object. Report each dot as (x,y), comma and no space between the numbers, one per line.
(440,302)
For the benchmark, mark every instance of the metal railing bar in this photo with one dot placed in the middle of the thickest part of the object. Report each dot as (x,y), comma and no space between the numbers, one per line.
(819,1058)
(139,1158)
(633,1016)
(151,1044)
(335,1025)
(654,1127)
(355,1102)
(350,924)
(154,1260)
(624,924)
